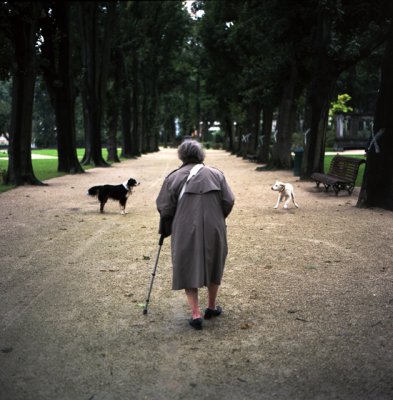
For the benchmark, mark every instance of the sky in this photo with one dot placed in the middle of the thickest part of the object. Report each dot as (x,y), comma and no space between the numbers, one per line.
(188,4)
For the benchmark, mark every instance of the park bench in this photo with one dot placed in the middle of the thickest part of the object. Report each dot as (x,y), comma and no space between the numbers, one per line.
(252,157)
(342,174)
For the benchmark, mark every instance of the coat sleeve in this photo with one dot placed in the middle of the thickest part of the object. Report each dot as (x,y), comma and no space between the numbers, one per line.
(227,198)
(166,200)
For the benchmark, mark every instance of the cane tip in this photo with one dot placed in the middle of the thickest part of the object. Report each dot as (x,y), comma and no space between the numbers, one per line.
(144,312)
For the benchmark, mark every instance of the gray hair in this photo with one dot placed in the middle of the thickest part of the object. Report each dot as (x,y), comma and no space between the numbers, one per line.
(191,151)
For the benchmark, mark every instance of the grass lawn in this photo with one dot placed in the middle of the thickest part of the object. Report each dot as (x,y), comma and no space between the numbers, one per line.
(44,168)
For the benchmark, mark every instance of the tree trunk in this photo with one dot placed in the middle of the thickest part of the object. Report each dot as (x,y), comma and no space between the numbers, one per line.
(125,95)
(20,168)
(377,186)
(198,102)
(57,71)
(96,55)
(136,135)
(127,150)
(281,152)
(239,135)
(144,119)
(113,117)
(249,145)
(66,135)
(205,131)
(228,132)
(152,113)
(317,109)
(264,149)
(170,129)
(168,125)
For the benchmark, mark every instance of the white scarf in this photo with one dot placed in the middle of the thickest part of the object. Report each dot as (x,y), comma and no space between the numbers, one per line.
(194,170)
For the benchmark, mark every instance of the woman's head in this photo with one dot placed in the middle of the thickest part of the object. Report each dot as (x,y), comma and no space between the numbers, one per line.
(191,151)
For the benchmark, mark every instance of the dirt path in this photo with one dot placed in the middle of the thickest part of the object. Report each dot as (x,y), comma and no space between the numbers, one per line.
(307,294)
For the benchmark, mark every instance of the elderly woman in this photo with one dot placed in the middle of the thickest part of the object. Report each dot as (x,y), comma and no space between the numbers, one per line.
(193,203)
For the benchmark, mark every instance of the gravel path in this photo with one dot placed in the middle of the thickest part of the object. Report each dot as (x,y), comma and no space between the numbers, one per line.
(307,295)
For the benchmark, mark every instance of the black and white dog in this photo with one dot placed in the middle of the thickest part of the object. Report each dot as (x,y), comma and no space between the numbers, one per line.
(114,192)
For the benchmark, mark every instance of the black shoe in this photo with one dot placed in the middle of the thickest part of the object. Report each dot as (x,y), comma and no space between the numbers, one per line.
(196,323)
(212,313)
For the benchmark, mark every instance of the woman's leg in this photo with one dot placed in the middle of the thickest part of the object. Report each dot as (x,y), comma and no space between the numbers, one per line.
(192,298)
(212,295)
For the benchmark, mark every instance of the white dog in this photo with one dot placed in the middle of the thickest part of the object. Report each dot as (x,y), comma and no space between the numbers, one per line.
(285,191)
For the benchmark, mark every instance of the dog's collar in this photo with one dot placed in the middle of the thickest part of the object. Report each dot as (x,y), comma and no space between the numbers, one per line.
(126,186)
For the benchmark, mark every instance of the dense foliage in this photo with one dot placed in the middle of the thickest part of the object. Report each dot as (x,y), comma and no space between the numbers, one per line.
(134,74)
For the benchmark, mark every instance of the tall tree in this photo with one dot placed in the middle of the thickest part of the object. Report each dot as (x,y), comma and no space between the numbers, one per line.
(113,106)
(267,124)
(221,62)
(126,41)
(44,126)
(377,186)
(345,33)
(96,46)
(281,152)
(23,27)
(165,27)
(56,65)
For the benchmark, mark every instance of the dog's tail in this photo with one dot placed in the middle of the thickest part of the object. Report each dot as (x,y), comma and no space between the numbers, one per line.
(93,191)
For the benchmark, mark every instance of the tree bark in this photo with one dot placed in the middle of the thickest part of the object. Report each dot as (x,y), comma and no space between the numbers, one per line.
(56,66)
(324,75)
(125,106)
(136,135)
(281,152)
(96,54)
(377,185)
(264,149)
(228,132)
(318,107)
(168,125)
(127,151)
(144,118)
(239,136)
(112,118)
(25,25)
(252,123)
(152,116)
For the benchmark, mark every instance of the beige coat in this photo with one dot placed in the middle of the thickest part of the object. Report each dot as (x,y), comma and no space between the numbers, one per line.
(199,240)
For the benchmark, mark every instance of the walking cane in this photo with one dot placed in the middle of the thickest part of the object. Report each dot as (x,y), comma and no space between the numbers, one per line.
(160,242)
